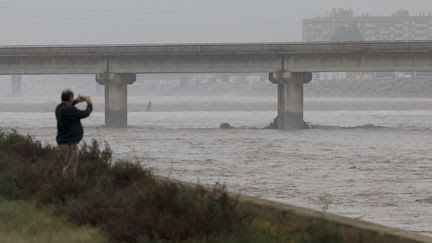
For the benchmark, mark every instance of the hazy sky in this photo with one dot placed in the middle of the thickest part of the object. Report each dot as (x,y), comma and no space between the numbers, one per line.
(170,21)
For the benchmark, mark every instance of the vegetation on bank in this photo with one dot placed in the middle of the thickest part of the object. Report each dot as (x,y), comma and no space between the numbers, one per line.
(128,203)
(22,222)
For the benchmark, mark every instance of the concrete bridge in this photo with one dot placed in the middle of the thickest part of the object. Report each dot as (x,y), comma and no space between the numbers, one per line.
(290,65)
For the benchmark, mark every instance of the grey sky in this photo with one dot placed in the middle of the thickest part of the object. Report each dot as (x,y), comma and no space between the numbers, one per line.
(167,21)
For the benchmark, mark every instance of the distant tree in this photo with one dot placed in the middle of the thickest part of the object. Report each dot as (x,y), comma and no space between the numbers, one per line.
(351,33)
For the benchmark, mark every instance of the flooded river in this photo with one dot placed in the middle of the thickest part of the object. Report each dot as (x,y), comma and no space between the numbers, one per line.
(374,165)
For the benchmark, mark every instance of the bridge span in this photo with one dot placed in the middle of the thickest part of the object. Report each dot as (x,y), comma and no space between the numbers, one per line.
(290,65)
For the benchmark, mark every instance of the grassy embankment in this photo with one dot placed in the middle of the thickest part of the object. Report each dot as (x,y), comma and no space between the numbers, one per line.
(22,222)
(121,200)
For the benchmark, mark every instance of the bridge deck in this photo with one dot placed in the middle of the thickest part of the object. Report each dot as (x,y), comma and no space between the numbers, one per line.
(220,48)
(217,58)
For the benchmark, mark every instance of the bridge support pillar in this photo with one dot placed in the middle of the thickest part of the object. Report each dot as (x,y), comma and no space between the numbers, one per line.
(290,98)
(116,97)
(16,85)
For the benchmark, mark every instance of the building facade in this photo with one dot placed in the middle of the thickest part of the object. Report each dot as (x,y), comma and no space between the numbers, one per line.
(399,26)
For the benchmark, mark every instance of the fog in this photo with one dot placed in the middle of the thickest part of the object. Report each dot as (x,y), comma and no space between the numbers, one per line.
(368,152)
(163,21)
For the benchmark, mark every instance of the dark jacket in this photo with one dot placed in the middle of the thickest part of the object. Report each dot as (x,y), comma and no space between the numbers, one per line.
(69,128)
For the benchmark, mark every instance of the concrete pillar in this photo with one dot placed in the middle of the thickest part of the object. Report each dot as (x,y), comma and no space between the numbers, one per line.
(16,85)
(290,98)
(116,97)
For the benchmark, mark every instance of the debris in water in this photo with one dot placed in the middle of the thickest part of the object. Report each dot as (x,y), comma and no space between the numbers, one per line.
(226,125)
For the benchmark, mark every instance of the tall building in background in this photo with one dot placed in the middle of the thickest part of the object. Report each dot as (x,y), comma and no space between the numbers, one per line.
(342,25)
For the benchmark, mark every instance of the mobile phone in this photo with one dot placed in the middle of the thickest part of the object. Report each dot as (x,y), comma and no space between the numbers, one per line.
(80,98)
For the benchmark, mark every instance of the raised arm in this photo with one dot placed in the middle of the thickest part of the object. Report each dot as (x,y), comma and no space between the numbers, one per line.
(80,114)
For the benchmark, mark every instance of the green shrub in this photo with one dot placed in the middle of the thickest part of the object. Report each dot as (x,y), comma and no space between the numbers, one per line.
(122,198)
(321,232)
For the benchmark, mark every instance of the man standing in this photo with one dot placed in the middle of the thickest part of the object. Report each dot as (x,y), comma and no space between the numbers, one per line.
(69,130)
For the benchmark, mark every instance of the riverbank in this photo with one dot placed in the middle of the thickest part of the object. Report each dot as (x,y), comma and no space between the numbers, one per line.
(353,166)
(129,204)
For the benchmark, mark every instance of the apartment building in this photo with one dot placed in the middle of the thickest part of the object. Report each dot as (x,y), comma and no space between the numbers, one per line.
(399,26)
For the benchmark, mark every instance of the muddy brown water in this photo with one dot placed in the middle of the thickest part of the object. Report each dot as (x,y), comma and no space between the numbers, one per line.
(374,165)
